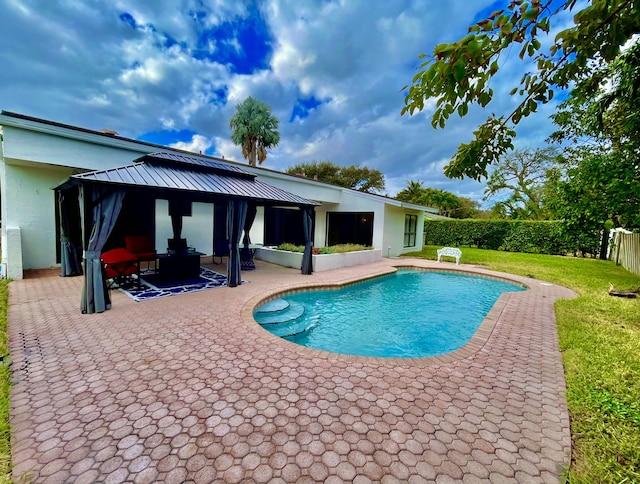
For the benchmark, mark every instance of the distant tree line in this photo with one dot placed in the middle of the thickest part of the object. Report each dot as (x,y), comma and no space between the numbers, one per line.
(447,203)
(359,178)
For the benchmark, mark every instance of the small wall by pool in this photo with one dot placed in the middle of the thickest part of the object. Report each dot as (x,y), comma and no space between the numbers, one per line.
(321,262)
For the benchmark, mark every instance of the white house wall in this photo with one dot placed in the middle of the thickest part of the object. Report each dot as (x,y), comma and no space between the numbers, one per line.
(197,229)
(256,234)
(320,235)
(320,192)
(30,188)
(394,231)
(20,144)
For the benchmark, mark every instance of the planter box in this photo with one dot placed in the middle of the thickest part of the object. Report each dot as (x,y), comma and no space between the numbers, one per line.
(325,262)
(280,257)
(321,262)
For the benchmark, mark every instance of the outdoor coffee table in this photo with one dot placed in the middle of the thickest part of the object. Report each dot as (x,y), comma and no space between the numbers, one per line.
(177,267)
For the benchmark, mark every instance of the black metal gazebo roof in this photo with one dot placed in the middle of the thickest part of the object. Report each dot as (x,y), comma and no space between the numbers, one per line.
(168,171)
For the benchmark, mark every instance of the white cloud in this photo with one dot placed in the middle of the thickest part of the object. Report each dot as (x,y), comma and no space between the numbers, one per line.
(79,63)
(198,144)
(226,149)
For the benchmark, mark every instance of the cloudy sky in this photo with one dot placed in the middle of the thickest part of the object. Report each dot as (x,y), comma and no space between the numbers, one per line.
(173,71)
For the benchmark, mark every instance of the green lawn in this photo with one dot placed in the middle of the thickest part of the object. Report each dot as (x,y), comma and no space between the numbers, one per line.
(5,434)
(600,341)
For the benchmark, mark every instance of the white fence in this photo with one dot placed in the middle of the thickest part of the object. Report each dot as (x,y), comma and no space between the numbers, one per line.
(626,251)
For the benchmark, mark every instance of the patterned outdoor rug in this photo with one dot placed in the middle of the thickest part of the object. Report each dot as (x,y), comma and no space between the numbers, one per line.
(152,287)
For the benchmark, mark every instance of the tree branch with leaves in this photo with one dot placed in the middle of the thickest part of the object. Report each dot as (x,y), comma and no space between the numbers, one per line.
(518,182)
(458,74)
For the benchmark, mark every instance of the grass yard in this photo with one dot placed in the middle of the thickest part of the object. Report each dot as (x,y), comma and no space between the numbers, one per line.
(5,433)
(600,341)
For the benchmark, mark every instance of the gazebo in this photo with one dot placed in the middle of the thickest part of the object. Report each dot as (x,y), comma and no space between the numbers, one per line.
(91,207)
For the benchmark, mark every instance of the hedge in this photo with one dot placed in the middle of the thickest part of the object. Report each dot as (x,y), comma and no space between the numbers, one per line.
(542,237)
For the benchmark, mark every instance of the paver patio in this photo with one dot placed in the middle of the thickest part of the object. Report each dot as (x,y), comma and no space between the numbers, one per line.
(189,389)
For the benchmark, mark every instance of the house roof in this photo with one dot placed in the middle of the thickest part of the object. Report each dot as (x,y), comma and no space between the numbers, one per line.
(109,138)
(166,171)
(195,162)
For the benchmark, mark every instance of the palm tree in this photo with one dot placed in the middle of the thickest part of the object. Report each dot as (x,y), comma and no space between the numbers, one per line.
(412,193)
(255,129)
(444,201)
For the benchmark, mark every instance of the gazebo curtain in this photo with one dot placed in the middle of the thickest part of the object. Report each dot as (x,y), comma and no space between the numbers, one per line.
(220,241)
(246,257)
(70,261)
(236,215)
(105,204)
(307,225)
(248,223)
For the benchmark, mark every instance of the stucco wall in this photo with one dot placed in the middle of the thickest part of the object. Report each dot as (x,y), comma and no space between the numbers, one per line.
(320,235)
(28,203)
(21,144)
(394,231)
(197,229)
(310,189)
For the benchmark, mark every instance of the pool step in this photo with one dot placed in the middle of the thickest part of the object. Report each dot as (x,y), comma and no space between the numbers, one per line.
(273,306)
(293,328)
(291,313)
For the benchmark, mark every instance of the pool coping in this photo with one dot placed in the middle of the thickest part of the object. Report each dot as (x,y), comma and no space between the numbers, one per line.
(475,344)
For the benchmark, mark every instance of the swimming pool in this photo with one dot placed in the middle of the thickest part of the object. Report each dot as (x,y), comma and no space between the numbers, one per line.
(408,314)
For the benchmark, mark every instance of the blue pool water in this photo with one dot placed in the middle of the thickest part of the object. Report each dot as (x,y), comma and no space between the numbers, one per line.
(409,314)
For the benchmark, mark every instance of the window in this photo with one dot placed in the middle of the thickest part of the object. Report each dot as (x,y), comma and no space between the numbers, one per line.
(410,229)
(350,228)
(283,225)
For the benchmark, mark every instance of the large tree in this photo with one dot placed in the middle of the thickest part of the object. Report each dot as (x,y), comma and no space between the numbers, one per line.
(583,203)
(359,178)
(255,129)
(458,74)
(601,185)
(518,183)
(468,208)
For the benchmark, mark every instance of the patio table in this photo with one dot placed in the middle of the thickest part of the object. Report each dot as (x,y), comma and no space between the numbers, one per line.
(176,267)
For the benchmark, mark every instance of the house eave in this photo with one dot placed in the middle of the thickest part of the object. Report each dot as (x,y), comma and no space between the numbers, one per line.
(21,121)
(76,133)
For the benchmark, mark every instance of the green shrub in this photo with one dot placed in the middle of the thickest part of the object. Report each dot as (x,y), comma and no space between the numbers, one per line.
(340,248)
(334,249)
(540,237)
(290,247)
(536,238)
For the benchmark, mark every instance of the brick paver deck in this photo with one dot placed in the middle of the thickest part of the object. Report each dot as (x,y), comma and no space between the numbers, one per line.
(189,389)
